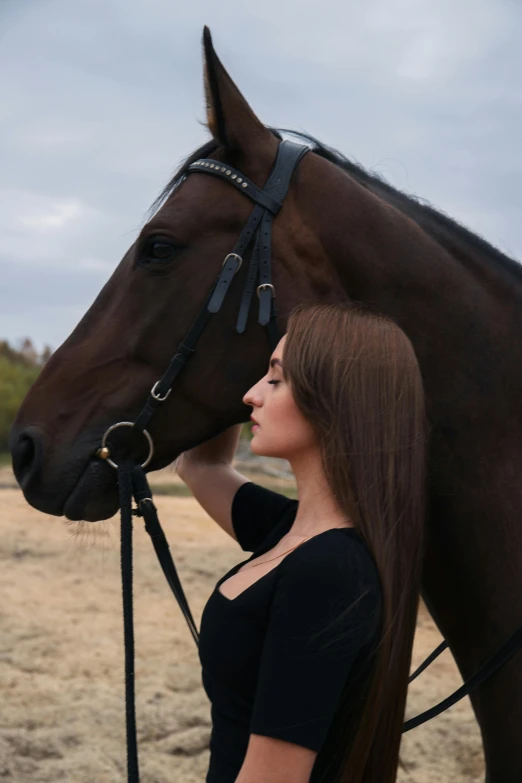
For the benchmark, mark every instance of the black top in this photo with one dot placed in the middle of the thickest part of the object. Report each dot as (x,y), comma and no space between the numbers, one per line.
(270,665)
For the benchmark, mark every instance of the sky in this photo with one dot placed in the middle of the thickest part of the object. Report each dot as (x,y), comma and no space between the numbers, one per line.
(100,101)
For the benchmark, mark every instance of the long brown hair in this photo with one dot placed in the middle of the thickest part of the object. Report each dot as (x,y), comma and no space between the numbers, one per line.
(354,375)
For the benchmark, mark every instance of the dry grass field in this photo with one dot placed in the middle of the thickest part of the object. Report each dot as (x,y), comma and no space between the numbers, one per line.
(61,654)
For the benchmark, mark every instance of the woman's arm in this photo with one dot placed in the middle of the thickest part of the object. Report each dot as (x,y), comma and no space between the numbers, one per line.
(207,471)
(215,451)
(277,761)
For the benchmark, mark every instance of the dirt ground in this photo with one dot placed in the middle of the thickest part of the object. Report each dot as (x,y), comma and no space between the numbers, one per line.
(61,656)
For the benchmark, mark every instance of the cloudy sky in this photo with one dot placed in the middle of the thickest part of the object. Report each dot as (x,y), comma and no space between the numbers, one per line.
(101,99)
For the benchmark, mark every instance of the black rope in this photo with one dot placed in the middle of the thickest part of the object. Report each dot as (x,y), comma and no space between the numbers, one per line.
(146,509)
(125,490)
(493,663)
(431,657)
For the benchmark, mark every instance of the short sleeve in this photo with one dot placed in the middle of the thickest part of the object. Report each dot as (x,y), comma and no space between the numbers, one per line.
(255,512)
(325,610)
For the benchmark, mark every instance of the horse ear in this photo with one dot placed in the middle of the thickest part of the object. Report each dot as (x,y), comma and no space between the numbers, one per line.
(229,117)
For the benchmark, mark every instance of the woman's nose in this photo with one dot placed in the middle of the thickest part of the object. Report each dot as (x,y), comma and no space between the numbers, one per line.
(249,397)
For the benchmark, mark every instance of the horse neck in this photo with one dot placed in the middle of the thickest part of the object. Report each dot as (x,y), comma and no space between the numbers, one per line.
(464,319)
(458,306)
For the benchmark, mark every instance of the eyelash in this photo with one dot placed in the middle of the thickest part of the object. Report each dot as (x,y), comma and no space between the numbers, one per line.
(272,381)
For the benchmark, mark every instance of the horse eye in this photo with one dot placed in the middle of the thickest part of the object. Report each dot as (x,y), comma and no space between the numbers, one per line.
(158,250)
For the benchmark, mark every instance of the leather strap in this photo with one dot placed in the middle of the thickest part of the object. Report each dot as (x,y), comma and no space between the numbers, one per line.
(146,509)
(238,180)
(259,226)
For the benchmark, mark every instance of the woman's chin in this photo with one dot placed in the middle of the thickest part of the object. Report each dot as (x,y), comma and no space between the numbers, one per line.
(255,446)
(261,449)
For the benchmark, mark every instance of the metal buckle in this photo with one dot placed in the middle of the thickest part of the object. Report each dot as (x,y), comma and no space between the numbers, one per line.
(233,255)
(157,396)
(266,285)
(125,424)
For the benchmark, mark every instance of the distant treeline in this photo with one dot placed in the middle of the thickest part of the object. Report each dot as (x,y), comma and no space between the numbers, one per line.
(19,368)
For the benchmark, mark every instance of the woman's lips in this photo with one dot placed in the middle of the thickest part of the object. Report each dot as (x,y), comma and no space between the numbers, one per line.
(255,427)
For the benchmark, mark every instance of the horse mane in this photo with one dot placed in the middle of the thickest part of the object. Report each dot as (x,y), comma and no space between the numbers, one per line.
(441,227)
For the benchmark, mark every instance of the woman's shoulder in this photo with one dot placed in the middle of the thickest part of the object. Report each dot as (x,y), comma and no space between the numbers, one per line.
(331,575)
(337,557)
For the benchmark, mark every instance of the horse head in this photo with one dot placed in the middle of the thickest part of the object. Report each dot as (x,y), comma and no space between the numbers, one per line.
(105,369)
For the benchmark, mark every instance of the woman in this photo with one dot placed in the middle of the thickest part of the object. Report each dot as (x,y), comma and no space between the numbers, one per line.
(306,645)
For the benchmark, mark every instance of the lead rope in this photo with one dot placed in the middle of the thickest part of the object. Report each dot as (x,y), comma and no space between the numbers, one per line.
(133,482)
(146,509)
(125,492)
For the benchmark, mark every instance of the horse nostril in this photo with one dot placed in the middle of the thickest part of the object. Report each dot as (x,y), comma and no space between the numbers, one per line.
(27,459)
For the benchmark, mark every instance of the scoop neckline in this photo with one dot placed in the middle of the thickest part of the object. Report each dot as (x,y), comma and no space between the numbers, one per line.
(258,552)
(310,538)
(285,523)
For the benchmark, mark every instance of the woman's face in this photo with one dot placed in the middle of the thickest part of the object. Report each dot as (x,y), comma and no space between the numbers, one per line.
(283,431)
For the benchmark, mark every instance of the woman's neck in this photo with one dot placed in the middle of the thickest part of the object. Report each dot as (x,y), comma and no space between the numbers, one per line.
(317,510)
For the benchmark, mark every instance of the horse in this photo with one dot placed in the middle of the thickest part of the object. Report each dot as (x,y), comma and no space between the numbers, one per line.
(342,234)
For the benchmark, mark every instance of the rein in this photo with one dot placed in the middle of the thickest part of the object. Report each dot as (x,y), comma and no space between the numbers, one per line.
(132,481)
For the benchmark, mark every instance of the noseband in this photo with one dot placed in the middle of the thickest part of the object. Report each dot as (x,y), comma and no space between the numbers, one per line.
(256,237)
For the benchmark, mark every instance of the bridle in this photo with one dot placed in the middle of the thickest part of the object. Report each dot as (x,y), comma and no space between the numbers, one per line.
(256,237)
